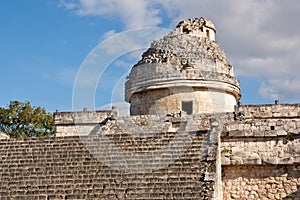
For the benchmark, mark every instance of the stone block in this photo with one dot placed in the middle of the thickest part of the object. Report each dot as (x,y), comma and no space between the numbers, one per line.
(247,127)
(297,160)
(240,153)
(236,133)
(281,132)
(225,160)
(241,126)
(271,133)
(292,114)
(271,160)
(249,133)
(285,161)
(295,131)
(260,133)
(252,161)
(254,155)
(224,134)
(236,160)
(235,127)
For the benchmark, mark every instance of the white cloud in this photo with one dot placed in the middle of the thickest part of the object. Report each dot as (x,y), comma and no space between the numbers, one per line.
(281,89)
(70,5)
(108,34)
(260,38)
(268,91)
(133,13)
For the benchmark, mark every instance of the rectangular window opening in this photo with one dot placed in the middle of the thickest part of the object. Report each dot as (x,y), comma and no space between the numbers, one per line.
(187,106)
(207,33)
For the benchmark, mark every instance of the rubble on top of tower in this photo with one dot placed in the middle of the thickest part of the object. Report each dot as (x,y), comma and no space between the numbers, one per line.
(195,24)
(188,42)
(188,46)
(173,48)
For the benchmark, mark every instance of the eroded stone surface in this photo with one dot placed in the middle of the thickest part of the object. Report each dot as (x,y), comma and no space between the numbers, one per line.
(185,65)
(261,182)
(254,149)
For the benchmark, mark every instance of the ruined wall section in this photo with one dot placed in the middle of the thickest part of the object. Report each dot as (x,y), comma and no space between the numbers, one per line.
(260,153)
(256,143)
(84,123)
(270,111)
(280,182)
(78,123)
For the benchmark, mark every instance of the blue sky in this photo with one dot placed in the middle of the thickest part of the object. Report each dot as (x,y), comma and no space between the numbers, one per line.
(44,43)
(42,47)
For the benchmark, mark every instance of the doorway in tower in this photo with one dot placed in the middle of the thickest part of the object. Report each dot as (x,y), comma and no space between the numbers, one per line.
(187,106)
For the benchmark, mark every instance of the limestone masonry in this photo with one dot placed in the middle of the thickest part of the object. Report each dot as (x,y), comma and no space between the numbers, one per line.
(185,70)
(188,136)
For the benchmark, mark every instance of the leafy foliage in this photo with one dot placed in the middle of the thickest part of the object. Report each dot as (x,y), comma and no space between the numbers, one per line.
(289,136)
(21,120)
(227,150)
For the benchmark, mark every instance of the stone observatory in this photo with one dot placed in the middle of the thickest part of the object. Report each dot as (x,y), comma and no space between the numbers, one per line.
(184,71)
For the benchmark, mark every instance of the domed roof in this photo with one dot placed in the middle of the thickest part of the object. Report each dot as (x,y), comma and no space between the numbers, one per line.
(183,58)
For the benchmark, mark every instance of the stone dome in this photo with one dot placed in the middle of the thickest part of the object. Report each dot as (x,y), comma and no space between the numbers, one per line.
(184,71)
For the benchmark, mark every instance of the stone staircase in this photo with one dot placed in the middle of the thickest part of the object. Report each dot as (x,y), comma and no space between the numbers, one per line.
(71,168)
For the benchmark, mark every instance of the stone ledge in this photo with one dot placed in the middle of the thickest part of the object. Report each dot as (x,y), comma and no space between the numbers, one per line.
(270,111)
(259,161)
(258,134)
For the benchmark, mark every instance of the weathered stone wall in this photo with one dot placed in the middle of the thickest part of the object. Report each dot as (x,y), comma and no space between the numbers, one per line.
(84,123)
(166,101)
(73,123)
(258,143)
(261,182)
(164,80)
(261,150)
(156,102)
(78,123)
(261,153)
(142,125)
(160,72)
(270,111)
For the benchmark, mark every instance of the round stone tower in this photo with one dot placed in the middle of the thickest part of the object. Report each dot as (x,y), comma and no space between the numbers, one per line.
(184,71)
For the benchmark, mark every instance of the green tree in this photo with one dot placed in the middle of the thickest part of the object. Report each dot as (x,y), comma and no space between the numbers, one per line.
(21,120)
